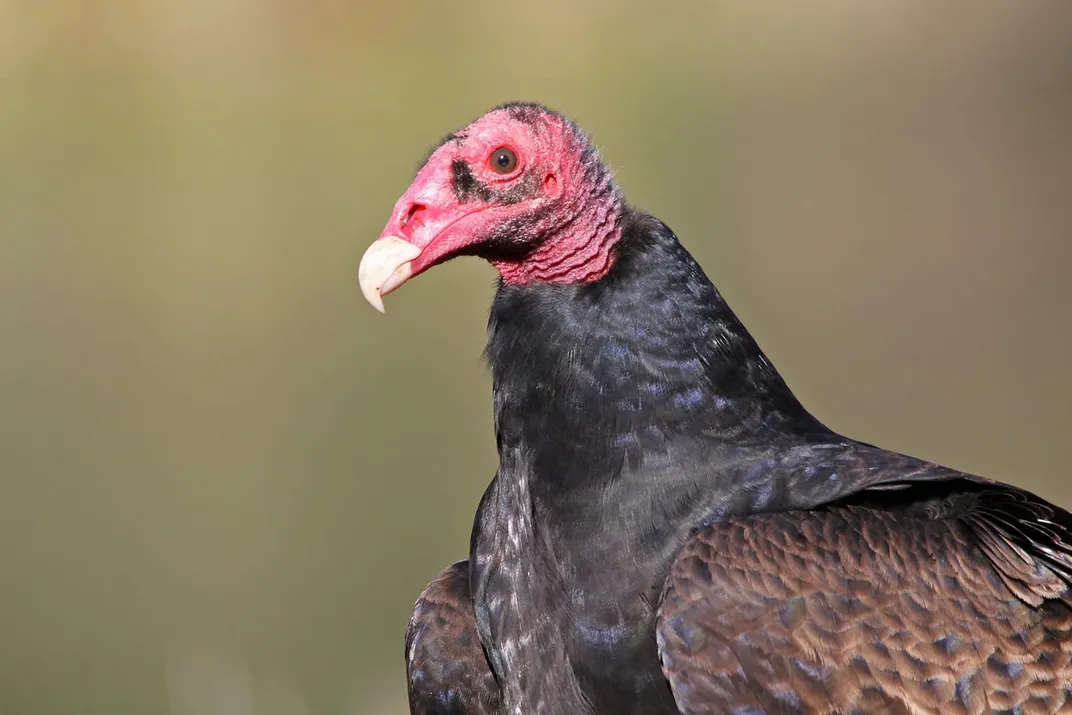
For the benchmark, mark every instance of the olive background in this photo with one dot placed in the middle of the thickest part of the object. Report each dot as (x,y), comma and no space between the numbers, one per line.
(224,478)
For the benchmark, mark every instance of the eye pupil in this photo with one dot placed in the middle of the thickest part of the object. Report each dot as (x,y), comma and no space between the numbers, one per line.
(503,160)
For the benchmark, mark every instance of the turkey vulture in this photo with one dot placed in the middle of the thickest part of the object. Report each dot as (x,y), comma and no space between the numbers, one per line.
(669,530)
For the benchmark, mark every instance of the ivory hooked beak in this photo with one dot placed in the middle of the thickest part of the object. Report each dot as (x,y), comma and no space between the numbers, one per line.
(385,266)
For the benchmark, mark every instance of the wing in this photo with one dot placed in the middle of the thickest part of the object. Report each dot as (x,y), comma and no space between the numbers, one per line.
(902,604)
(446,669)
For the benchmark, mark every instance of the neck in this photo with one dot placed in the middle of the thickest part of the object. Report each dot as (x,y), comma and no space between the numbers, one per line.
(593,376)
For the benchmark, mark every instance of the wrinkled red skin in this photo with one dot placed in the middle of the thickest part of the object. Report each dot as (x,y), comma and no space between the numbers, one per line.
(569,221)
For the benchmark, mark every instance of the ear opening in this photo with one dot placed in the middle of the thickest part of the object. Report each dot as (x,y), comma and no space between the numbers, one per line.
(551,185)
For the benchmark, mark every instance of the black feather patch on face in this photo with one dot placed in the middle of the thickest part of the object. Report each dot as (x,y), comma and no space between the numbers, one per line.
(466,186)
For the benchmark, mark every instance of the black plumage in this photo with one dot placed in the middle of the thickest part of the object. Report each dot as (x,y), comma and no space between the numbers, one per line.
(671,531)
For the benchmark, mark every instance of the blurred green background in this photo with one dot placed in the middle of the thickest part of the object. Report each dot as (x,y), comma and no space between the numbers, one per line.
(225,478)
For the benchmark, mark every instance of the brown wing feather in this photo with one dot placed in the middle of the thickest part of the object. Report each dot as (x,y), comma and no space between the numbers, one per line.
(446,669)
(960,604)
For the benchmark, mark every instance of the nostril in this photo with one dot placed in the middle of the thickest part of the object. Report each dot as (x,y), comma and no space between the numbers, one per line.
(413,210)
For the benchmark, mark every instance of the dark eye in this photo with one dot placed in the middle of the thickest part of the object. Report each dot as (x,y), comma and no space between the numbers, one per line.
(503,160)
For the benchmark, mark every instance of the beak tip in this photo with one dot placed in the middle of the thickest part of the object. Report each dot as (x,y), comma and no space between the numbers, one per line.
(384,267)
(372,294)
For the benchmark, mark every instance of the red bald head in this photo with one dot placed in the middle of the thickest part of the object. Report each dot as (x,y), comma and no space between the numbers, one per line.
(521,187)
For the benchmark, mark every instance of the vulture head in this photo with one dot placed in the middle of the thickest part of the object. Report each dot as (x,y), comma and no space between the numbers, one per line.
(521,187)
